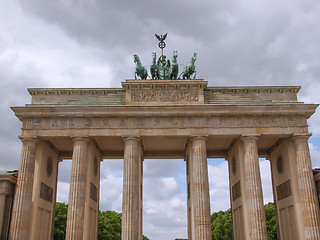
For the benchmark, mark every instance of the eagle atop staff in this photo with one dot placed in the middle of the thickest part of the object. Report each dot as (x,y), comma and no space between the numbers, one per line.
(161,38)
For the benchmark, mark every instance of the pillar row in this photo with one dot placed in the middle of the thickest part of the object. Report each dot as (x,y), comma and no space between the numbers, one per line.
(199,187)
(306,186)
(131,179)
(20,223)
(253,189)
(76,207)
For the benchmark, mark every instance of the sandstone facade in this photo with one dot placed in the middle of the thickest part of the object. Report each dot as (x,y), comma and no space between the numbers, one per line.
(166,119)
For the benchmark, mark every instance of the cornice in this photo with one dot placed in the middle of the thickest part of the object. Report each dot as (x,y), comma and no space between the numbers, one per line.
(187,110)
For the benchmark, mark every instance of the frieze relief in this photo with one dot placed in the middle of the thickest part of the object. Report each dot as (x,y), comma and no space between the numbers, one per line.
(164,95)
(166,122)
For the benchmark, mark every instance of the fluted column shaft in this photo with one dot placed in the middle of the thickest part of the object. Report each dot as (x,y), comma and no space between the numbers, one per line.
(76,206)
(200,190)
(2,205)
(130,203)
(21,213)
(253,189)
(307,188)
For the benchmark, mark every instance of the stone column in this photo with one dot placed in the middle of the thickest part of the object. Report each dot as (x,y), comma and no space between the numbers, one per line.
(130,203)
(200,190)
(2,205)
(253,190)
(21,213)
(306,186)
(75,219)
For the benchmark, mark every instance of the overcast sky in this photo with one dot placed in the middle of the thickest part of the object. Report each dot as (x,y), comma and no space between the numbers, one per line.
(90,43)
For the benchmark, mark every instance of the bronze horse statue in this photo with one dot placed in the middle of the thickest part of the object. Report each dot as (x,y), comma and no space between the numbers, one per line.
(174,67)
(140,70)
(190,69)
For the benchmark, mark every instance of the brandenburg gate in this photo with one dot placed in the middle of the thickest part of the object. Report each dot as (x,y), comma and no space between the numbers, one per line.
(166,119)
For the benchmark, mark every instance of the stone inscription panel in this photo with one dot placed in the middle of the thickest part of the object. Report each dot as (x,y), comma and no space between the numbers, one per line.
(165,95)
(236,191)
(166,122)
(46,192)
(284,190)
(93,192)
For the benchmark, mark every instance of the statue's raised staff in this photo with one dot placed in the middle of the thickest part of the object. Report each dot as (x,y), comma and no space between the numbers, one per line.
(141,71)
(190,68)
(174,67)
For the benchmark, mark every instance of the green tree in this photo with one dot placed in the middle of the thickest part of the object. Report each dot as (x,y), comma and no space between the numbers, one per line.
(109,225)
(60,221)
(221,225)
(271,221)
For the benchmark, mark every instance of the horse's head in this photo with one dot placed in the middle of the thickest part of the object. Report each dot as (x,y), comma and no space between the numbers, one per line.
(136,58)
(154,56)
(194,57)
(175,54)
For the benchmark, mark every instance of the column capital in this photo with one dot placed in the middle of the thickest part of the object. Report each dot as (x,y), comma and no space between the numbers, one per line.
(198,137)
(8,178)
(245,137)
(133,138)
(301,136)
(29,139)
(86,139)
(5,188)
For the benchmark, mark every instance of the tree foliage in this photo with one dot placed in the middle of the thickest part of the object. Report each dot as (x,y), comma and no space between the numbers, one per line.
(221,225)
(109,224)
(60,221)
(271,221)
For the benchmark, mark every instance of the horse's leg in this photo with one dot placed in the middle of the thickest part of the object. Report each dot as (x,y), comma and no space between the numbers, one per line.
(145,73)
(195,74)
(135,75)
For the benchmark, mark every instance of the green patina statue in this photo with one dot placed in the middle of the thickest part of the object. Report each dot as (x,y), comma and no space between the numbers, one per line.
(140,70)
(174,68)
(190,69)
(154,67)
(163,69)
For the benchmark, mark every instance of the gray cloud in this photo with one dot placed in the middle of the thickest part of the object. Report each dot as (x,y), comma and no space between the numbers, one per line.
(162,167)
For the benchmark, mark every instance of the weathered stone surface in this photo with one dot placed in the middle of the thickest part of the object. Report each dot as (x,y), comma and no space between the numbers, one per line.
(130,204)
(159,119)
(21,213)
(200,202)
(253,189)
(76,208)
(307,188)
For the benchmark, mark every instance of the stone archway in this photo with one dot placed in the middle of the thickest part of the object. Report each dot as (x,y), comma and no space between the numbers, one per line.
(197,122)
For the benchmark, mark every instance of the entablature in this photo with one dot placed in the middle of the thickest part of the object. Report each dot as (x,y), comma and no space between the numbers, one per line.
(165,92)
